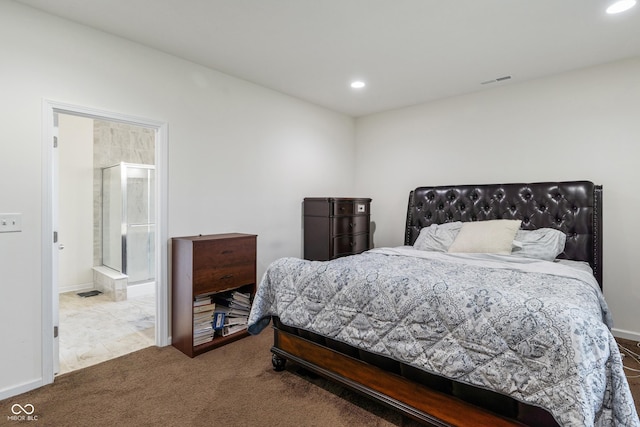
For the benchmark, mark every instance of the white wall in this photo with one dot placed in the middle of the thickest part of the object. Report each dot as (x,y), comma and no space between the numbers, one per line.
(241,157)
(75,229)
(578,125)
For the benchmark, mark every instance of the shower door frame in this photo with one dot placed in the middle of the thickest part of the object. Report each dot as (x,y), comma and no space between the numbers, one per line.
(50,356)
(124,215)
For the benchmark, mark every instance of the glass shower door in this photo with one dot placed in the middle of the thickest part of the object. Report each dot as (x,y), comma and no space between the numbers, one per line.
(140,224)
(112,217)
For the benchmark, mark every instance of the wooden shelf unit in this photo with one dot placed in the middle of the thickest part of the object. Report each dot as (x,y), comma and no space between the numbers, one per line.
(206,264)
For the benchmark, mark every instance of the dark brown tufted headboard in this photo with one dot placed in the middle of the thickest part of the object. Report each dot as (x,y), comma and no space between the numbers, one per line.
(574,207)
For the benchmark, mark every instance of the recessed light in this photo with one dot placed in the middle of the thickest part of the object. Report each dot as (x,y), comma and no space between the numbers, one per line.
(621,6)
(358,84)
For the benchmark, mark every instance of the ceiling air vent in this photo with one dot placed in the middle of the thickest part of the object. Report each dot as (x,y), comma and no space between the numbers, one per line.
(499,79)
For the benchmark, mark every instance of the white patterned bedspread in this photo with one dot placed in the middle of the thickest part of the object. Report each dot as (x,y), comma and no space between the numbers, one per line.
(534,330)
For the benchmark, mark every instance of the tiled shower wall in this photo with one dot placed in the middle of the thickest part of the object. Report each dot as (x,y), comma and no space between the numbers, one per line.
(114,143)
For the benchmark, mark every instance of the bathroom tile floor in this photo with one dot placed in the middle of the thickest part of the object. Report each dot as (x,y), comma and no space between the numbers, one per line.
(96,329)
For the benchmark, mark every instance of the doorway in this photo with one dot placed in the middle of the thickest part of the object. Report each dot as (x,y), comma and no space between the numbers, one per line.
(106,226)
(155,195)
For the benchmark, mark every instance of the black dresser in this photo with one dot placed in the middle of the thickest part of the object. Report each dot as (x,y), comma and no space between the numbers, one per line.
(335,227)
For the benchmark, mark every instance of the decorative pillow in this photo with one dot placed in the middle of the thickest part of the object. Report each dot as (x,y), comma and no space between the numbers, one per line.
(437,237)
(543,243)
(493,236)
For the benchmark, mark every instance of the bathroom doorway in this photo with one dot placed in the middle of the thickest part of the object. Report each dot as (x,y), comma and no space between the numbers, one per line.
(106,217)
(72,213)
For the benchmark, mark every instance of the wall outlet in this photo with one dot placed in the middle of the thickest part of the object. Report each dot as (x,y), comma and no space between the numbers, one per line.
(10,222)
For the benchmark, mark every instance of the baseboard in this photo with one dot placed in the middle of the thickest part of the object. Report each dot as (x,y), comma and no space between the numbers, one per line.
(141,290)
(75,288)
(628,335)
(19,389)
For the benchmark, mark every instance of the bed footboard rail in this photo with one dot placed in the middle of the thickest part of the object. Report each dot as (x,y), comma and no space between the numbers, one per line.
(412,399)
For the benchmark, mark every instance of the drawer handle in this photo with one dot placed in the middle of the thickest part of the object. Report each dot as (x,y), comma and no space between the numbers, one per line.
(227,252)
(352,224)
(351,244)
(227,276)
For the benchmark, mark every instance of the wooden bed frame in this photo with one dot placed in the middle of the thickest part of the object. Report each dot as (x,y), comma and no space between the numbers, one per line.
(574,207)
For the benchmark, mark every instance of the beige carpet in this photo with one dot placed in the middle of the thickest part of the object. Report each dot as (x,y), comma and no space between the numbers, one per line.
(231,386)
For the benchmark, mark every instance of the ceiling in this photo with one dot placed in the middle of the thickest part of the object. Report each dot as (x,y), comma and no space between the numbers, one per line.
(407,51)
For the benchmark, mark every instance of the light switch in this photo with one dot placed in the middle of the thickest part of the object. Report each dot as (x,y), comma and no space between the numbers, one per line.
(10,222)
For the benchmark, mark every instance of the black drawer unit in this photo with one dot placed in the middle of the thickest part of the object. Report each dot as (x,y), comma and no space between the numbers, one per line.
(336,227)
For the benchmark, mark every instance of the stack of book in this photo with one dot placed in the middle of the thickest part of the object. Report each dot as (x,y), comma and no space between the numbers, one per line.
(203,311)
(231,312)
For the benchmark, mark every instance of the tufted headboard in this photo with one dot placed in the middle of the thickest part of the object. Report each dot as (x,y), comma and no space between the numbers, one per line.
(574,207)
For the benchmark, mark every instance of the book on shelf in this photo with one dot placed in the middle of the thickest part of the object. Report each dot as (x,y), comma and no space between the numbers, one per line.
(218,320)
(243,297)
(201,328)
(205,295)
(236,320)
(203,308)
(203,339)
(233,324)
(228,330)
(240,306)
(203,334)
(233,299)
(198,301)
(203,315)
(221,314)
(228,311)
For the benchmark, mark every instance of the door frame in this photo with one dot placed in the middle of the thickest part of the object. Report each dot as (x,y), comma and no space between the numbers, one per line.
(49,282)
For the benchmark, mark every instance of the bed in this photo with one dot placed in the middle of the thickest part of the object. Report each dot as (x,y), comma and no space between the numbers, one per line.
(452,336)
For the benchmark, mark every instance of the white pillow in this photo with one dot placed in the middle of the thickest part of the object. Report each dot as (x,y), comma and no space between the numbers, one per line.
(543,243)
(492,237)
(437,237)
